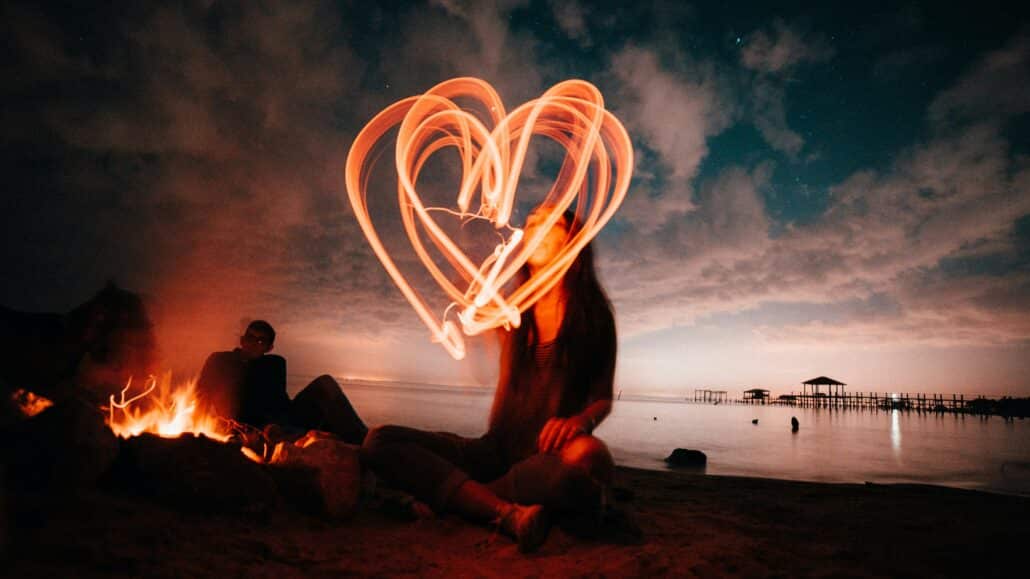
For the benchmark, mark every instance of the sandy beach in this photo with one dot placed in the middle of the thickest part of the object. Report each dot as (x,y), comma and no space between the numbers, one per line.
(693,526)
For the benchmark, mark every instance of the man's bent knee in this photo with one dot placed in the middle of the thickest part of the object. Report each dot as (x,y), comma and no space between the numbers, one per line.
(382,435)
(325,385)
(373,444)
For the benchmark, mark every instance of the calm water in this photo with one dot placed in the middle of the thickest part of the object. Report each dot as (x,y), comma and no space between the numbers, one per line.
(832,446)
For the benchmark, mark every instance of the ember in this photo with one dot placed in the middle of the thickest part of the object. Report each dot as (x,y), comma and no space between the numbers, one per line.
(160,409)
(30,403)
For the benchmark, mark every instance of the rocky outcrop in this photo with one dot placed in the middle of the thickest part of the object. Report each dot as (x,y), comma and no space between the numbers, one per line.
(682,457)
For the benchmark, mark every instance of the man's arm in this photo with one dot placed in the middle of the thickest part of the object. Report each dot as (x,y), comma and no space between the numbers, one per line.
(264,392)
(219,384)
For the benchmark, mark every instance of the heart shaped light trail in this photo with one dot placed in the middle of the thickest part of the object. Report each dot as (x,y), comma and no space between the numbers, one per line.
(491,144)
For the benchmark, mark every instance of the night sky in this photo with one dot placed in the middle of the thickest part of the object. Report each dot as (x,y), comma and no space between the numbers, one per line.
(819,189)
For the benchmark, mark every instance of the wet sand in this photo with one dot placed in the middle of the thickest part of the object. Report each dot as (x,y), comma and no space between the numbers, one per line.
(693,526)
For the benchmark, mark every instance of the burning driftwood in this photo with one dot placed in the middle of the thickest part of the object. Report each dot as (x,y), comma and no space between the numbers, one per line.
(316,474)
(174,451)
(193,473)
(156,440)
(65,445)
(319,474)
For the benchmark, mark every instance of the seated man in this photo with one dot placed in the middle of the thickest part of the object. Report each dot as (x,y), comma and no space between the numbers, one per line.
(248,385)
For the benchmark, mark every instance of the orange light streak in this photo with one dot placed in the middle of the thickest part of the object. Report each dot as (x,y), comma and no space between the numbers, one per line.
(595,175)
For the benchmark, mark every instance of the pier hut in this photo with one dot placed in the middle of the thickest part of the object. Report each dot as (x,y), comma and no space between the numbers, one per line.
(706,395)
(834,396)
(835,387)
(756,395)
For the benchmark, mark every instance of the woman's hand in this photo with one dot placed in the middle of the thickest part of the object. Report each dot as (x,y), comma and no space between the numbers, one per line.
(559,431)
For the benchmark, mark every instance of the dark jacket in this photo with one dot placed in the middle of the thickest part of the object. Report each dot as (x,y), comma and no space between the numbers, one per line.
(253,392)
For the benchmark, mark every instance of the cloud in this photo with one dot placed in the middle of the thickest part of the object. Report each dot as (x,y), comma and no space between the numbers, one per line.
(778,48)
(677,274)
(996,87)
(770,117)
(571,17)
(693,254)
(673,114)
(474,39)
(772,54)
(936,311)
(887,233)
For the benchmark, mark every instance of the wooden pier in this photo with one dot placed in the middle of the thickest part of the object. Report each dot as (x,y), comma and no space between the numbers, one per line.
(839,399)
(914,402)
(917,402)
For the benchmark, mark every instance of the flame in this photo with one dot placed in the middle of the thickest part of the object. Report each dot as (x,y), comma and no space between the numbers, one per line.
(595,175)
(30,403)
(160,409)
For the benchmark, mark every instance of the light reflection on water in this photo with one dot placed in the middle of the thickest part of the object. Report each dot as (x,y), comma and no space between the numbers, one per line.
(831,445)
(896,435)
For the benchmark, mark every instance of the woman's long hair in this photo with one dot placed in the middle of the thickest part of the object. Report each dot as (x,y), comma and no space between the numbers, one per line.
(584,346)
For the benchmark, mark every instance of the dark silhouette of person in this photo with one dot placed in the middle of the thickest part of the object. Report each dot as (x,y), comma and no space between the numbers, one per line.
(794,424)
(555,387)
(247,384)
(93,349)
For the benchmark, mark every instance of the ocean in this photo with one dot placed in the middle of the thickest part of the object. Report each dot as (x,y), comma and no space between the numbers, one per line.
(852,446)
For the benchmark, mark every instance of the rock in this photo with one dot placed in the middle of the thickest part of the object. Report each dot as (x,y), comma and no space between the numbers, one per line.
(682,457)
(194,473)
(755,421)
(319,474)
(67,445)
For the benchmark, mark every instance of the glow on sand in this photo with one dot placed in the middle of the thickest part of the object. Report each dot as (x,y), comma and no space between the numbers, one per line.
(492,145)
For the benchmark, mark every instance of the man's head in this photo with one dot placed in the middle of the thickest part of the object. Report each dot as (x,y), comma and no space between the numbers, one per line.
(257,340)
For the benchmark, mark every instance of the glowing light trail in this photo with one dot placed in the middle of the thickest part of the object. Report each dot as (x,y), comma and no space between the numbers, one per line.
(594,176)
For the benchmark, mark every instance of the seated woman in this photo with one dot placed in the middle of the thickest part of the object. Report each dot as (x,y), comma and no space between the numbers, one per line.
(555,387)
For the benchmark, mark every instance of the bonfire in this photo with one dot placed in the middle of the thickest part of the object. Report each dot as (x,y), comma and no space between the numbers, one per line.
(159,408)
(177,449)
